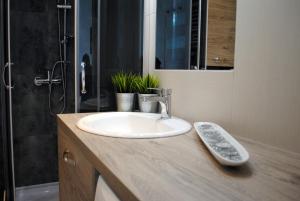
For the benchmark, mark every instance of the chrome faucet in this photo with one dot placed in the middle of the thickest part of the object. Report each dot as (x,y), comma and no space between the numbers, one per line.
(164,100)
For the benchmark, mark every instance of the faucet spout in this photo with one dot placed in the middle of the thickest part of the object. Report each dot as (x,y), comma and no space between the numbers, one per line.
(164,110)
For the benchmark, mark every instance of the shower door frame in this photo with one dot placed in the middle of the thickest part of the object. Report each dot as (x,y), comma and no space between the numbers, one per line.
(6,100)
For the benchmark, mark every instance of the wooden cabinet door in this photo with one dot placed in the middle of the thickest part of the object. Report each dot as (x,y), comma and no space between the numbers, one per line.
(221,33)
(77,176)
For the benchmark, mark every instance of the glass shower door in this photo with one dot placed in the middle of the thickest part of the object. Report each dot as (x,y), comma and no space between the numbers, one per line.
(87,60)
(109,35)
(7,186)
(3,131)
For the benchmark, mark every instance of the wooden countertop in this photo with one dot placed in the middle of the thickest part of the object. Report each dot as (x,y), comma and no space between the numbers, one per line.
(181,169)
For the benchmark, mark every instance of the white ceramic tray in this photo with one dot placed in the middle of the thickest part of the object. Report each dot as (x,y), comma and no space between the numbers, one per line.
(227,150)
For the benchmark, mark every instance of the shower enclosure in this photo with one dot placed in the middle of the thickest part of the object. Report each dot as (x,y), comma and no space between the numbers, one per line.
(57,57)
(33,86)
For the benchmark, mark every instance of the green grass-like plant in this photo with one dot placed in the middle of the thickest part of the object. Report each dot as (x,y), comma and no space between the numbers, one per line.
(124,82)
(142,84)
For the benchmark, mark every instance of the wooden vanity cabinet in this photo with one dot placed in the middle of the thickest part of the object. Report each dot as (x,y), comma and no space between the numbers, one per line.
(171,169)
(77,176)
(221,33)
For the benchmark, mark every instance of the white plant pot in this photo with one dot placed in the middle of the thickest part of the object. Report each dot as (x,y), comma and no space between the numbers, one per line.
(147,106)
(125,102)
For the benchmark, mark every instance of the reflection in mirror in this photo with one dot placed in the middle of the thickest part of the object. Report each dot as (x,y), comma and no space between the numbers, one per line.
(109,40)
(178,35)
(220,34)
(195,34)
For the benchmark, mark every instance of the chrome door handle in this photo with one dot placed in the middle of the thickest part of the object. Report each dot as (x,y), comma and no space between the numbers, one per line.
(218,60)
(3,75)
(7,86)
(67,156)
(83,89)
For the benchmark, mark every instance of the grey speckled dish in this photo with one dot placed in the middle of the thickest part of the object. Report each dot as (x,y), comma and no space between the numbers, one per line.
(221,144)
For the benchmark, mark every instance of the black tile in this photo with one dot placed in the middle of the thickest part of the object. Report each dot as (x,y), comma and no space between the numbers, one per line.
(35,159)
(29,5)
(35,49)
(1,160)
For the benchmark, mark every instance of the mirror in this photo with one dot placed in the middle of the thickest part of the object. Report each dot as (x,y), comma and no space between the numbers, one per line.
(195,34)
(109,35)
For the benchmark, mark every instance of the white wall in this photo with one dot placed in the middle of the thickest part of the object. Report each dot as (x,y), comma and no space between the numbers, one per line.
(266,101)
(260,99)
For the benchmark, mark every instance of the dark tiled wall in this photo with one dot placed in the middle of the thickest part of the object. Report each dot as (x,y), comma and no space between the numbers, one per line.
(1,159)
(34,41)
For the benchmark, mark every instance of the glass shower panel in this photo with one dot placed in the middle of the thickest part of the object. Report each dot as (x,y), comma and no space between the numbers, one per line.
(2,94)
(109,40)
(6,175)
(121,44)
(87,63)
(173,34)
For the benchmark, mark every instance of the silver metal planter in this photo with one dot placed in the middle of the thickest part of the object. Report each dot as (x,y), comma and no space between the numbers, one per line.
(147,106)
(125,102)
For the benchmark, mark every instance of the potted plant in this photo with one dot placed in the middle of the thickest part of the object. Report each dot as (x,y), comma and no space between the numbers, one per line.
(142,85)
(124,85)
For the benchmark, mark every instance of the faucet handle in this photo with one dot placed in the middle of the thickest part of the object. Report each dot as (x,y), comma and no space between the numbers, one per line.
(167,91)
(162,91)
(155,89)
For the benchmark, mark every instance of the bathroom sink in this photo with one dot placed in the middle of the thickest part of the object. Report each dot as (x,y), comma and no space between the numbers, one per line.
(133,125)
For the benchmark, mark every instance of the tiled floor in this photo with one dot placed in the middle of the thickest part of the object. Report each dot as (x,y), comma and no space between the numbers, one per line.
(43,192)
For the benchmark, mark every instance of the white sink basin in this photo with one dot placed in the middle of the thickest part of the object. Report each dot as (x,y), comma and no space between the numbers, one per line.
(133,125)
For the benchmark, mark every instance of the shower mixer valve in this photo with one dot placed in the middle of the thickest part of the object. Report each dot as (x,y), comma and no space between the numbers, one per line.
(38,81)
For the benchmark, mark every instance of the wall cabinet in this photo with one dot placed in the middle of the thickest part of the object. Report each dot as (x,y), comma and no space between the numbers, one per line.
(221,33)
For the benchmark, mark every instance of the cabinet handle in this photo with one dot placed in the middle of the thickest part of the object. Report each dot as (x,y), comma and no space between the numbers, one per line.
(67,156)
(218,60)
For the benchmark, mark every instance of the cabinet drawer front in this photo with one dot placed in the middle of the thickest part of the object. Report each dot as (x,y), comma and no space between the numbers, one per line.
(77,176)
